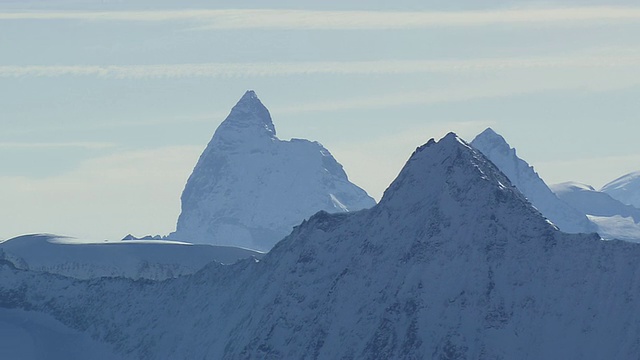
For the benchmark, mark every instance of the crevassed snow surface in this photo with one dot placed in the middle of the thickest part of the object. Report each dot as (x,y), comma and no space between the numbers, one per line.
(524,177)
(132,259)
(250,188)
(614,219)
(625,189)
(453,263)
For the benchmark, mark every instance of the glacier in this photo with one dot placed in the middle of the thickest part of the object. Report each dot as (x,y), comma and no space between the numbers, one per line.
(614,219)
(250,188)
(453,263)
(153,260)
(625,189)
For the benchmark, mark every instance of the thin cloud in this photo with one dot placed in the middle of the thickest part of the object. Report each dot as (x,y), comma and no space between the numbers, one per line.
(455,94)
(497,87)
(342,20)
(392,67)
(56,145)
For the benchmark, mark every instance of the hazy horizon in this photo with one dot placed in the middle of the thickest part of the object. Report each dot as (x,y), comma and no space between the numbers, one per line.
(107,105)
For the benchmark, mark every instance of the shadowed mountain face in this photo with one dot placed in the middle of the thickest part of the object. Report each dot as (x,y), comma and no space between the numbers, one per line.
(453,263)
(250,188)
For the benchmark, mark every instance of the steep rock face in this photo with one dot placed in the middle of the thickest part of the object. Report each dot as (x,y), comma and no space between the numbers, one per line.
(625,189)
(250,188)
(523,176)
(453,263)
(614,219)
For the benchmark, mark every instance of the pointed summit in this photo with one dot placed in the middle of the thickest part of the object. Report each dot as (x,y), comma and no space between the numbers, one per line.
(250,188)
(452,173)
(493,142)
(249,121)
(524,177)
(490,134)
(249,95)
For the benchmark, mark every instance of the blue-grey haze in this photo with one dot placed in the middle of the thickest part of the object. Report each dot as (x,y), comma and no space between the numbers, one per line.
(95,143)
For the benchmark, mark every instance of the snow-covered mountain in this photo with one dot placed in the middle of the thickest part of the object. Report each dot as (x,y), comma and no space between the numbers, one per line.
(250,188)
(614,219)
(453,263)
(625,189)
(524,177)
(143,259)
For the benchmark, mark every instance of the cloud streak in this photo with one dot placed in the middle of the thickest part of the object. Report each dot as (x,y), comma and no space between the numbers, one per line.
(482,87)
(56,145)
(343,20)
(391,67)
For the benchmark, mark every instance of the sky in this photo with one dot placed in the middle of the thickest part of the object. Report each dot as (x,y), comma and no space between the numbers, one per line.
(105,106)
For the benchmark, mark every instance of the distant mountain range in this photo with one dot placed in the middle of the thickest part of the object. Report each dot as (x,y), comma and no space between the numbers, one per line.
(468,255)
(453,263)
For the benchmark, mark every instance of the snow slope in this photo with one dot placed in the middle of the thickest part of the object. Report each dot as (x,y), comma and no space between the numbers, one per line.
(250,188)
(625,189)
(524,177)
(453,263)
(614,219)
(617,227)
(133,259)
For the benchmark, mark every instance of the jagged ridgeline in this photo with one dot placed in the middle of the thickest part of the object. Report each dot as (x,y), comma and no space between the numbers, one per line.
(573,207)
(249,188)
(523,176)
(453,263)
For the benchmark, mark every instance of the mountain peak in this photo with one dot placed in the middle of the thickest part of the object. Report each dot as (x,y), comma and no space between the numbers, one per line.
(250,189)
(489,139)
(249,100)
(524,177)
(448,171)
(490,132)
(250,94)
(249,117)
